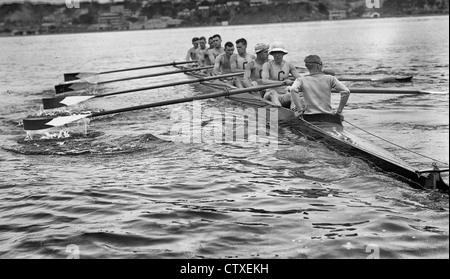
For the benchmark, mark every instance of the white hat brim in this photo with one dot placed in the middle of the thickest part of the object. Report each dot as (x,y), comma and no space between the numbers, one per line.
(278,50)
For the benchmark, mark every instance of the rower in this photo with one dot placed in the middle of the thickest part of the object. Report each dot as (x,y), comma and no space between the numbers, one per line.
(222,63)
(191,55)
(253,70)
(217,49)
(240,59)
(202,53)
(315,88)
(210,43)
(278,70)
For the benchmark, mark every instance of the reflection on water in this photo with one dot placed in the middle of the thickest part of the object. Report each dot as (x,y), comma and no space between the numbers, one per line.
(128,188)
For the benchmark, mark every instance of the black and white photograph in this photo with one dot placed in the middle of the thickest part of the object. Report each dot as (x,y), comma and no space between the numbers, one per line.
(224,134)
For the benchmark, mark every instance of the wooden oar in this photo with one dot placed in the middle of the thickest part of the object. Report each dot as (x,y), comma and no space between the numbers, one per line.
(383,79)
(62,101)
(41,123)
(80,85)
(82,75)
(355,79)
(393,91)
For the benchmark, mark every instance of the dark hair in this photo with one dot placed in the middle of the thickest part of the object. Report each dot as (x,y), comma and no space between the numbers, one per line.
(202,38)
(217,35)
(242,41)
(194,39)
(229,44)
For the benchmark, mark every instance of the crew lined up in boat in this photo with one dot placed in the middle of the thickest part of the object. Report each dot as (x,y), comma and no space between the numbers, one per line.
(253,70)
(217,50)
(191,54)
(239,60)
(278,70)
(202,53)
(312,93)
(222,63)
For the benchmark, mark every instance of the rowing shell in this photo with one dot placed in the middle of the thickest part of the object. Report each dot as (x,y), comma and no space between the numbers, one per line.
(329,130)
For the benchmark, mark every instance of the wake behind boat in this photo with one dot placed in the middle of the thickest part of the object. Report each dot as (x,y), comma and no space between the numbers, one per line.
(330,130)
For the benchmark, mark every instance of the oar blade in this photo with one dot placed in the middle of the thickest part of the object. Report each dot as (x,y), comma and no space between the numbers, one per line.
(72,86)
(42,123)
(395,79)
(58,102)
(77,76)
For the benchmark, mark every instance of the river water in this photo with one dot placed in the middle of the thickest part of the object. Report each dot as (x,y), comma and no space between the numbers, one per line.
(125,187)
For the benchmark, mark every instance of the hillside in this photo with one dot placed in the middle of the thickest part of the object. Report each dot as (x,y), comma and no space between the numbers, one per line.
(44,18)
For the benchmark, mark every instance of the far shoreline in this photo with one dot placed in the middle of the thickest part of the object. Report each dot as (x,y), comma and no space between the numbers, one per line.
(5,35)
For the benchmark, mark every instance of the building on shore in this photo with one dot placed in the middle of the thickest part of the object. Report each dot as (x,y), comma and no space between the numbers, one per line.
(254,3)
(155,23)
(371,15)
(337,14)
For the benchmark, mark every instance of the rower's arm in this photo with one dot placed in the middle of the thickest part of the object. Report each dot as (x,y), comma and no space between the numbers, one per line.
(297,95)
(188,55)
(247,75)
(294,72)
(211,56)
(216,69)
(233,63)
(345,94)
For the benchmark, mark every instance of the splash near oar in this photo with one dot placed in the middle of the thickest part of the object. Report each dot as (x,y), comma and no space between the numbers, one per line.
(65,101)
(81,85)
(83,75)
(42,123)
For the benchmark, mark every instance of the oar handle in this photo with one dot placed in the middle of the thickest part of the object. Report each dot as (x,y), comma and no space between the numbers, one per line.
(170,84)
(224,93)
(158,74)
(149,67)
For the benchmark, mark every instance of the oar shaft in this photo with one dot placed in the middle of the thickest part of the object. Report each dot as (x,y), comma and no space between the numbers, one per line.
(149,67)
(386,91)
(170,84)
(223,93)
(157,74)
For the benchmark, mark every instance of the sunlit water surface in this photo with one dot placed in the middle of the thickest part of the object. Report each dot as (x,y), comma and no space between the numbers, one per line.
(129,188)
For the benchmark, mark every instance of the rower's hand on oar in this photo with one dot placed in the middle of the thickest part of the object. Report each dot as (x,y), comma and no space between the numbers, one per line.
(288,82)
(340,115)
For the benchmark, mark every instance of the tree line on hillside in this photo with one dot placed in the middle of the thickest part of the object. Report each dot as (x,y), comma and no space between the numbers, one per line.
(28,14)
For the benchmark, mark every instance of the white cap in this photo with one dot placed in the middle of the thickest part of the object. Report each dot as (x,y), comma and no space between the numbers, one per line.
(277,47)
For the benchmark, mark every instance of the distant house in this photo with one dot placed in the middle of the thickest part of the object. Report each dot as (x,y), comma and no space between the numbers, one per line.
(233,3)
(120,9)
(99,27)
(113,20)
(155,23)
(371,15)
(170,22)
(184,13)
(337,14)
(254,3)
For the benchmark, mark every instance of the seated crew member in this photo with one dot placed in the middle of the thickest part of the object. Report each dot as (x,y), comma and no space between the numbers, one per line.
(222,63)
(240,59)
(278,70)
(202,53)
(253,70)
(191,54)
(315,90)
(217,48)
